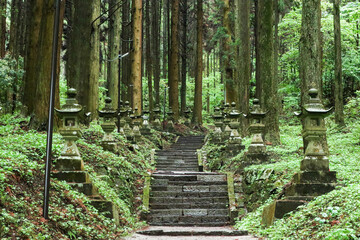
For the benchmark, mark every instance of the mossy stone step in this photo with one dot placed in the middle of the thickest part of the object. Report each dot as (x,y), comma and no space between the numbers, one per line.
(188,205)
(191,200)
(175,220)
(73,176)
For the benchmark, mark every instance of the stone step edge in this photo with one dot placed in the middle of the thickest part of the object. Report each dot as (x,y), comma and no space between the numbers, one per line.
(191,231)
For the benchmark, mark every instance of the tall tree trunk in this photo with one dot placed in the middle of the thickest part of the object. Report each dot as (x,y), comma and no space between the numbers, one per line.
(259,84)
(149,56)
(38,61)
(266,75)
(125,48)
(339,104)
(310,47)
(13,47)
(166,30)
(136,58)
(113,51)
(156,49)
(197,113)
(230,86)
(174,60)
(310,54)
(184,56)
(82,68)
(244,60)
(2,27)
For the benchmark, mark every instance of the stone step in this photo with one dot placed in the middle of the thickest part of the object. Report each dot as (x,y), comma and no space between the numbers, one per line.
(86,188)
(72,176)
(176,154)
(192,231)
(192,200)
(69,164)
(179,160)
(193,194)
(107,208)
(309,189)
(177,169)
(189,220)
(176,165)
(205,183)
(190,188)
(189,205)
(189,212)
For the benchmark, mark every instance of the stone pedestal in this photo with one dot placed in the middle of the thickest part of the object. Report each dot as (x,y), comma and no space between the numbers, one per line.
(315,177)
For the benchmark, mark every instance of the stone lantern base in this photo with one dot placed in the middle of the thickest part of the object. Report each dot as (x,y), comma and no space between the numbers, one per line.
(304,187)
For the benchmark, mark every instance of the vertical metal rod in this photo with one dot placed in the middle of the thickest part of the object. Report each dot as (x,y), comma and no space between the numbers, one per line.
(54,63)
(119,91)
(164,108)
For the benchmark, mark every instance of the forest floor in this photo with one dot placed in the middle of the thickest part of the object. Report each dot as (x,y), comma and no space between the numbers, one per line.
(335,215)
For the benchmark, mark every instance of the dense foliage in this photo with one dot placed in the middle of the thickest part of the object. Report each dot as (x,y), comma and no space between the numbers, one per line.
(118,178)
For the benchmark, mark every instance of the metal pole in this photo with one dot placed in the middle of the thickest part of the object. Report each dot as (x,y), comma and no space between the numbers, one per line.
(119,97)
(54,63)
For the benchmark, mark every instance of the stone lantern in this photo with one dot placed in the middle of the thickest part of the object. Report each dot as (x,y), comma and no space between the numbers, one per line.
(227,119)
(187,113)
(108,114)
(257,129)
(170,123)
(313,117)
(127,129)
(123,114)
(315,178)
(222,110)
(218,117)
(157,122)
(145,129)
(137,123)
(70,131)
(234,145)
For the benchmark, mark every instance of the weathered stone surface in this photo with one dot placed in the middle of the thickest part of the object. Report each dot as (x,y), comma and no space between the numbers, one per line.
(73,176)
(107,208)
(315,177)
(314,164)
(309,189)
(195,212)
(196,189)
(211,178)
(69,164)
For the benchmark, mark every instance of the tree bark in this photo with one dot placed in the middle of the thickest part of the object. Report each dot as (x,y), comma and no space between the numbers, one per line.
(244,60)
(2,27)
(230,86)
(82,69)
(149,56)
(38,62)
(259,84)
(184,56)
(136,57)
(197,113)
(310,65)
(174,60)
(113,51)
(166,30)
(266,75)
(125,48)
(339,104)
(156,48)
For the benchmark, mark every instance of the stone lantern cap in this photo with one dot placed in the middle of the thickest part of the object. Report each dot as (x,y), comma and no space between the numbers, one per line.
(234,113)
(108,111)
(256,111)
(71,106)
(217,114)
(170,112)
(314,107)
(146,110)
(157,110)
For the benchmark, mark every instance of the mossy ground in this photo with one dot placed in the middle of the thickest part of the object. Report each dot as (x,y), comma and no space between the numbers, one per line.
(119,178)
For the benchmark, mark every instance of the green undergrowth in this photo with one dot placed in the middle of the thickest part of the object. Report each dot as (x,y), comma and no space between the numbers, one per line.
(117,177)
(332,216)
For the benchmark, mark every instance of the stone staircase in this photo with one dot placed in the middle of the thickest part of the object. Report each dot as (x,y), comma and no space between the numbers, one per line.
(181,195)
(72,171)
